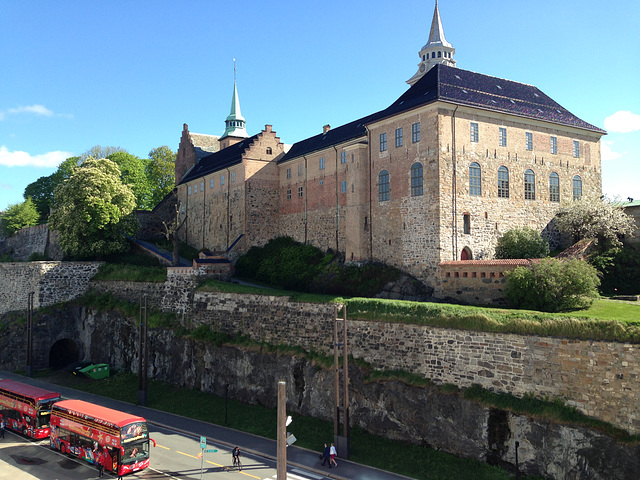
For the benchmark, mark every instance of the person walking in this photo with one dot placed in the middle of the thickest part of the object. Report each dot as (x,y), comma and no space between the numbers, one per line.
(3,426)
(333,453)
(236,458)
(99,456)
(326,456)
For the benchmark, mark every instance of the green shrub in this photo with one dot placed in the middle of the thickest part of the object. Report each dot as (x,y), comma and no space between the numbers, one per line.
(525,243)
(552,285)
(620,268)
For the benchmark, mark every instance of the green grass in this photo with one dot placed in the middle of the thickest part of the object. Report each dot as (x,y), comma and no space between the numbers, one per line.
(411,460)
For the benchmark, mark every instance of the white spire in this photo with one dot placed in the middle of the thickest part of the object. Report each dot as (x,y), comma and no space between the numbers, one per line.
(235,122)
(437,49)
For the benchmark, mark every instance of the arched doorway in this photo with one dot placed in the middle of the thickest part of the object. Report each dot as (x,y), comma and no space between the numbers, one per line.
(466,254)
(64,352)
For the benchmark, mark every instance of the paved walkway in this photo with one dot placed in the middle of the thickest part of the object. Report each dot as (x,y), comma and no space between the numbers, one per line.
(296,456)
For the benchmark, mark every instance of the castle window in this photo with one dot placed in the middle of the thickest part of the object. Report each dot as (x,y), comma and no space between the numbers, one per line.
(474,132)
(529,185)
(321,164)
(503,137)
(529,139)
(577,187)
(289,194)
(415,132)
(433,54)
(300,169)
(288,173)
(269,151)
(300,191)
(466,224)
(343,157)
(554,187)
(343,186)
(576,149)
(383,142)
(221,179)
(399,137)
(554,145)
(439,54)
(189,191)
(202,186)
(383,186)
(503,182)
(233,177)
(416,179)
(475,179)
(211,183)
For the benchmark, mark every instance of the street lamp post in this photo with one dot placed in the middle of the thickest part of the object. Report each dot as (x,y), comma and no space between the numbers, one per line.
(281,464)
(30,334)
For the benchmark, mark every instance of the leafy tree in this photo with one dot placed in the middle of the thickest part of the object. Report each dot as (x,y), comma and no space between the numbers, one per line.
(161,173)
(41,191)
(99,152)
(94,211)
(525,243)
(19,215)
(133,173)
(552,285)
(595,217)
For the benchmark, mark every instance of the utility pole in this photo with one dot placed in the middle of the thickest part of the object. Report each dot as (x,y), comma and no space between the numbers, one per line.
(142,353)
(281,464)
(342,442)
(30,334)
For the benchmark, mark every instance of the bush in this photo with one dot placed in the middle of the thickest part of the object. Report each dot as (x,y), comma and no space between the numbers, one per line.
(525,243)
(552,285)
(620,268)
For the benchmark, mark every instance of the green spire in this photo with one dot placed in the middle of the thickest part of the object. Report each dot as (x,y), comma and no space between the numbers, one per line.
(236,124)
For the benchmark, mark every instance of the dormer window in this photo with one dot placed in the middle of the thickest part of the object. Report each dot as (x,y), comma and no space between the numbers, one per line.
(439,54)
(433,54)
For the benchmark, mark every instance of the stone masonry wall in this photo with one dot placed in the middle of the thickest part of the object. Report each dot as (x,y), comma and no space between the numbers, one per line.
(52,282)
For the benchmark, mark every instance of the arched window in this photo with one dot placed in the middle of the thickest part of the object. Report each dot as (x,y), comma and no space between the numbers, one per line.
(529,185)
(466,254)
(554,187)
(416,179)
(475,181)
(577,187)
(503,182)
(383,186)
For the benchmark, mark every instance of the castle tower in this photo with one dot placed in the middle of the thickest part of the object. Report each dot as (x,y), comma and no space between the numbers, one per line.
(437,49)
(235,123)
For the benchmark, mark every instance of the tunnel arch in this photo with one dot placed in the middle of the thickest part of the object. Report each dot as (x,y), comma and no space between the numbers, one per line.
(62,353)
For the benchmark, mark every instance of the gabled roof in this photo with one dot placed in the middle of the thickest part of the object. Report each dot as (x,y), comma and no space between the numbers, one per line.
(204,144)
(227,157)
(459,87)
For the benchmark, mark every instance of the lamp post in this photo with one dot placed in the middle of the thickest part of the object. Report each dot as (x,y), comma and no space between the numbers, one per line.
(281,463)
(30,334)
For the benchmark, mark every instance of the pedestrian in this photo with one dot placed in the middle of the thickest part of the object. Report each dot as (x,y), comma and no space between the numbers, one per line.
(325,456)
(333,453)
(2,427)
(99,459)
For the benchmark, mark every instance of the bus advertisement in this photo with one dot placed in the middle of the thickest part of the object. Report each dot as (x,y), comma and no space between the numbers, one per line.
(26,409)
(92,432)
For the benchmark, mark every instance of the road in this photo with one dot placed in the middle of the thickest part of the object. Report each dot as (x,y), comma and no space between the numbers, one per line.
(174,457)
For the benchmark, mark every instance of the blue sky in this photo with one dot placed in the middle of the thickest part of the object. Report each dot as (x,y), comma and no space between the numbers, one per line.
(75,74)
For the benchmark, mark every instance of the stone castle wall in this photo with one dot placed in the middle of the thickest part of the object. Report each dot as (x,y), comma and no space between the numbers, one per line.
(37,239)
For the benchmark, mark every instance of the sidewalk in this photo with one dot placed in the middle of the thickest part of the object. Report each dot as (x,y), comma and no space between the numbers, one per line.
(297,457)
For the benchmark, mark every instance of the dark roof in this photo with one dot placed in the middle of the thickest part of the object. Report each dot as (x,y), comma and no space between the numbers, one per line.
(214,162)
(460,87)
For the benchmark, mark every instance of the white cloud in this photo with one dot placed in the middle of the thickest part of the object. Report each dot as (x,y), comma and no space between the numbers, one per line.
(24,159)
(606,151)
(622,121)
(35,109)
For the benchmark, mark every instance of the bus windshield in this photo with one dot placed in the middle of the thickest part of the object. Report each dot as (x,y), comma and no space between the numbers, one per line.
(135,451)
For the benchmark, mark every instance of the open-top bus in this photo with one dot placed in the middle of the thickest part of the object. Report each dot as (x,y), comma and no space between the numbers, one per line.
(26,409)
(83,429)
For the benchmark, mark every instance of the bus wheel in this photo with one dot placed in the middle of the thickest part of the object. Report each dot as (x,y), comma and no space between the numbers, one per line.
(25,432)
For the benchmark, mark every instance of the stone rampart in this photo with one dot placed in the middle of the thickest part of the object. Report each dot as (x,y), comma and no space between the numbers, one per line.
(51,282)
(37,239)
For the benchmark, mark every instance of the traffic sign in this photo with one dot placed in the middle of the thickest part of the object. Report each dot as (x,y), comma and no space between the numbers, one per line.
(211,450)
(203,442)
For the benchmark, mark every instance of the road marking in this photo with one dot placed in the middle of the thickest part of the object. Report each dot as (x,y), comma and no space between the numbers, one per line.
(308,474)
(187,455)
(166,448)
(214,463)
(163,473)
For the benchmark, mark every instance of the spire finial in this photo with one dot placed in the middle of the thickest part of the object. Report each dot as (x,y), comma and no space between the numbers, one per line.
(234,69)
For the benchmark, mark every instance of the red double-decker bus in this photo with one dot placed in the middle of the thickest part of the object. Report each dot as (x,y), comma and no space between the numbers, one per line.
(26,409)
(86,430)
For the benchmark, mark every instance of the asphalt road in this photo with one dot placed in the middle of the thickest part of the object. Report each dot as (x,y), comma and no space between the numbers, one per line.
(174,457)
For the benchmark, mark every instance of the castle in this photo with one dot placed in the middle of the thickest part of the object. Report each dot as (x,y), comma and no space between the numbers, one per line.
(438,175)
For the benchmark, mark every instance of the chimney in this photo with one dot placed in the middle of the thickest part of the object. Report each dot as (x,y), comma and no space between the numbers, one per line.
(326,128)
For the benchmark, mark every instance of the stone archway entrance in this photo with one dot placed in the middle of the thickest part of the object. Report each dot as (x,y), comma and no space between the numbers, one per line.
(64,352)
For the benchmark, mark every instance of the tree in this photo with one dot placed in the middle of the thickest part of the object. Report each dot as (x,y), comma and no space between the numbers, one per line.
(41,191)
(525,243)
(552,285)
(161,173)
(595,217)
(133,173)
(94,211)
(99,152)
(19,215)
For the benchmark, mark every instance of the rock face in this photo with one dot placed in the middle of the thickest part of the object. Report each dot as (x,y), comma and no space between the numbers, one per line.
(423,416)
